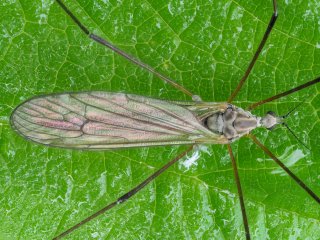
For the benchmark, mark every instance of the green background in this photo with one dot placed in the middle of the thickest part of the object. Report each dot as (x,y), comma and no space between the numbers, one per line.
(203,45)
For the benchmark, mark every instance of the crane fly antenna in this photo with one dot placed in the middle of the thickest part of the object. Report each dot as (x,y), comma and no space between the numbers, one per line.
(286,125)
(109,45)
(286,169)
(292,110)
(283,94)
(257,53)
(290,130)
(126,196)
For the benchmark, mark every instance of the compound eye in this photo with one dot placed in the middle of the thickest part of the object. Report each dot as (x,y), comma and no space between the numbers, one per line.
(272,113)
(272,128)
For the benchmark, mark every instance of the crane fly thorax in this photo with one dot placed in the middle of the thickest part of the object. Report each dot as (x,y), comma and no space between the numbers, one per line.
(233,123)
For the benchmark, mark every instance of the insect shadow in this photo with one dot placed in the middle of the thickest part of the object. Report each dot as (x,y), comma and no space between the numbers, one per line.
(104,120)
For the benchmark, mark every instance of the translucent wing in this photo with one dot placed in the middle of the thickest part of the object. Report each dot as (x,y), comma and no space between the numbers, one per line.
(102,120)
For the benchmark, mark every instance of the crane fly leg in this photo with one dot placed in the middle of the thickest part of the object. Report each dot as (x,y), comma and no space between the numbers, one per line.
(286,169)
(117,50)
(257,53)
(125,196)
(283,94)
(240,193)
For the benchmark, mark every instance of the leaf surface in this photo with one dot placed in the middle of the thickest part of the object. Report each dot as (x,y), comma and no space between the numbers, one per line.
(203,45)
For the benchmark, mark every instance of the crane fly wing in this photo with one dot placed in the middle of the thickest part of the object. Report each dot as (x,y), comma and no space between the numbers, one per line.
(102,120)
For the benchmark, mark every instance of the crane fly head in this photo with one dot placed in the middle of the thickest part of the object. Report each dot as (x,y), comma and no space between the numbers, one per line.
(271,120)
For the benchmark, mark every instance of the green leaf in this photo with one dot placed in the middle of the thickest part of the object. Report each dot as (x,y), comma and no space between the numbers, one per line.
(203,45)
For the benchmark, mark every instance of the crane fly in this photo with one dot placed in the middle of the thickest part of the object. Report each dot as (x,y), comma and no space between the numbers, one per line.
(99,120)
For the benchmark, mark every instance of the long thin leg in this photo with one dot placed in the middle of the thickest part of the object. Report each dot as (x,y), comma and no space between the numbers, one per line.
(291,174)
(280,95)
(126,196)
(237,178)
(122,53)
(257,53)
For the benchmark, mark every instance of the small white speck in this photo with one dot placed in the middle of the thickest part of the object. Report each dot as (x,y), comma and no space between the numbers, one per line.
(69,189)
(95,235)
(11,153)
(170,9)
(308,15)
(43,18)
(102,180)
(237,14)
(191,160)
(195,156)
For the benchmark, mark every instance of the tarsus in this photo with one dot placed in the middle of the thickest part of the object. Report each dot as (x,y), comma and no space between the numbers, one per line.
(107,44)
(257,53)
(126,196)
